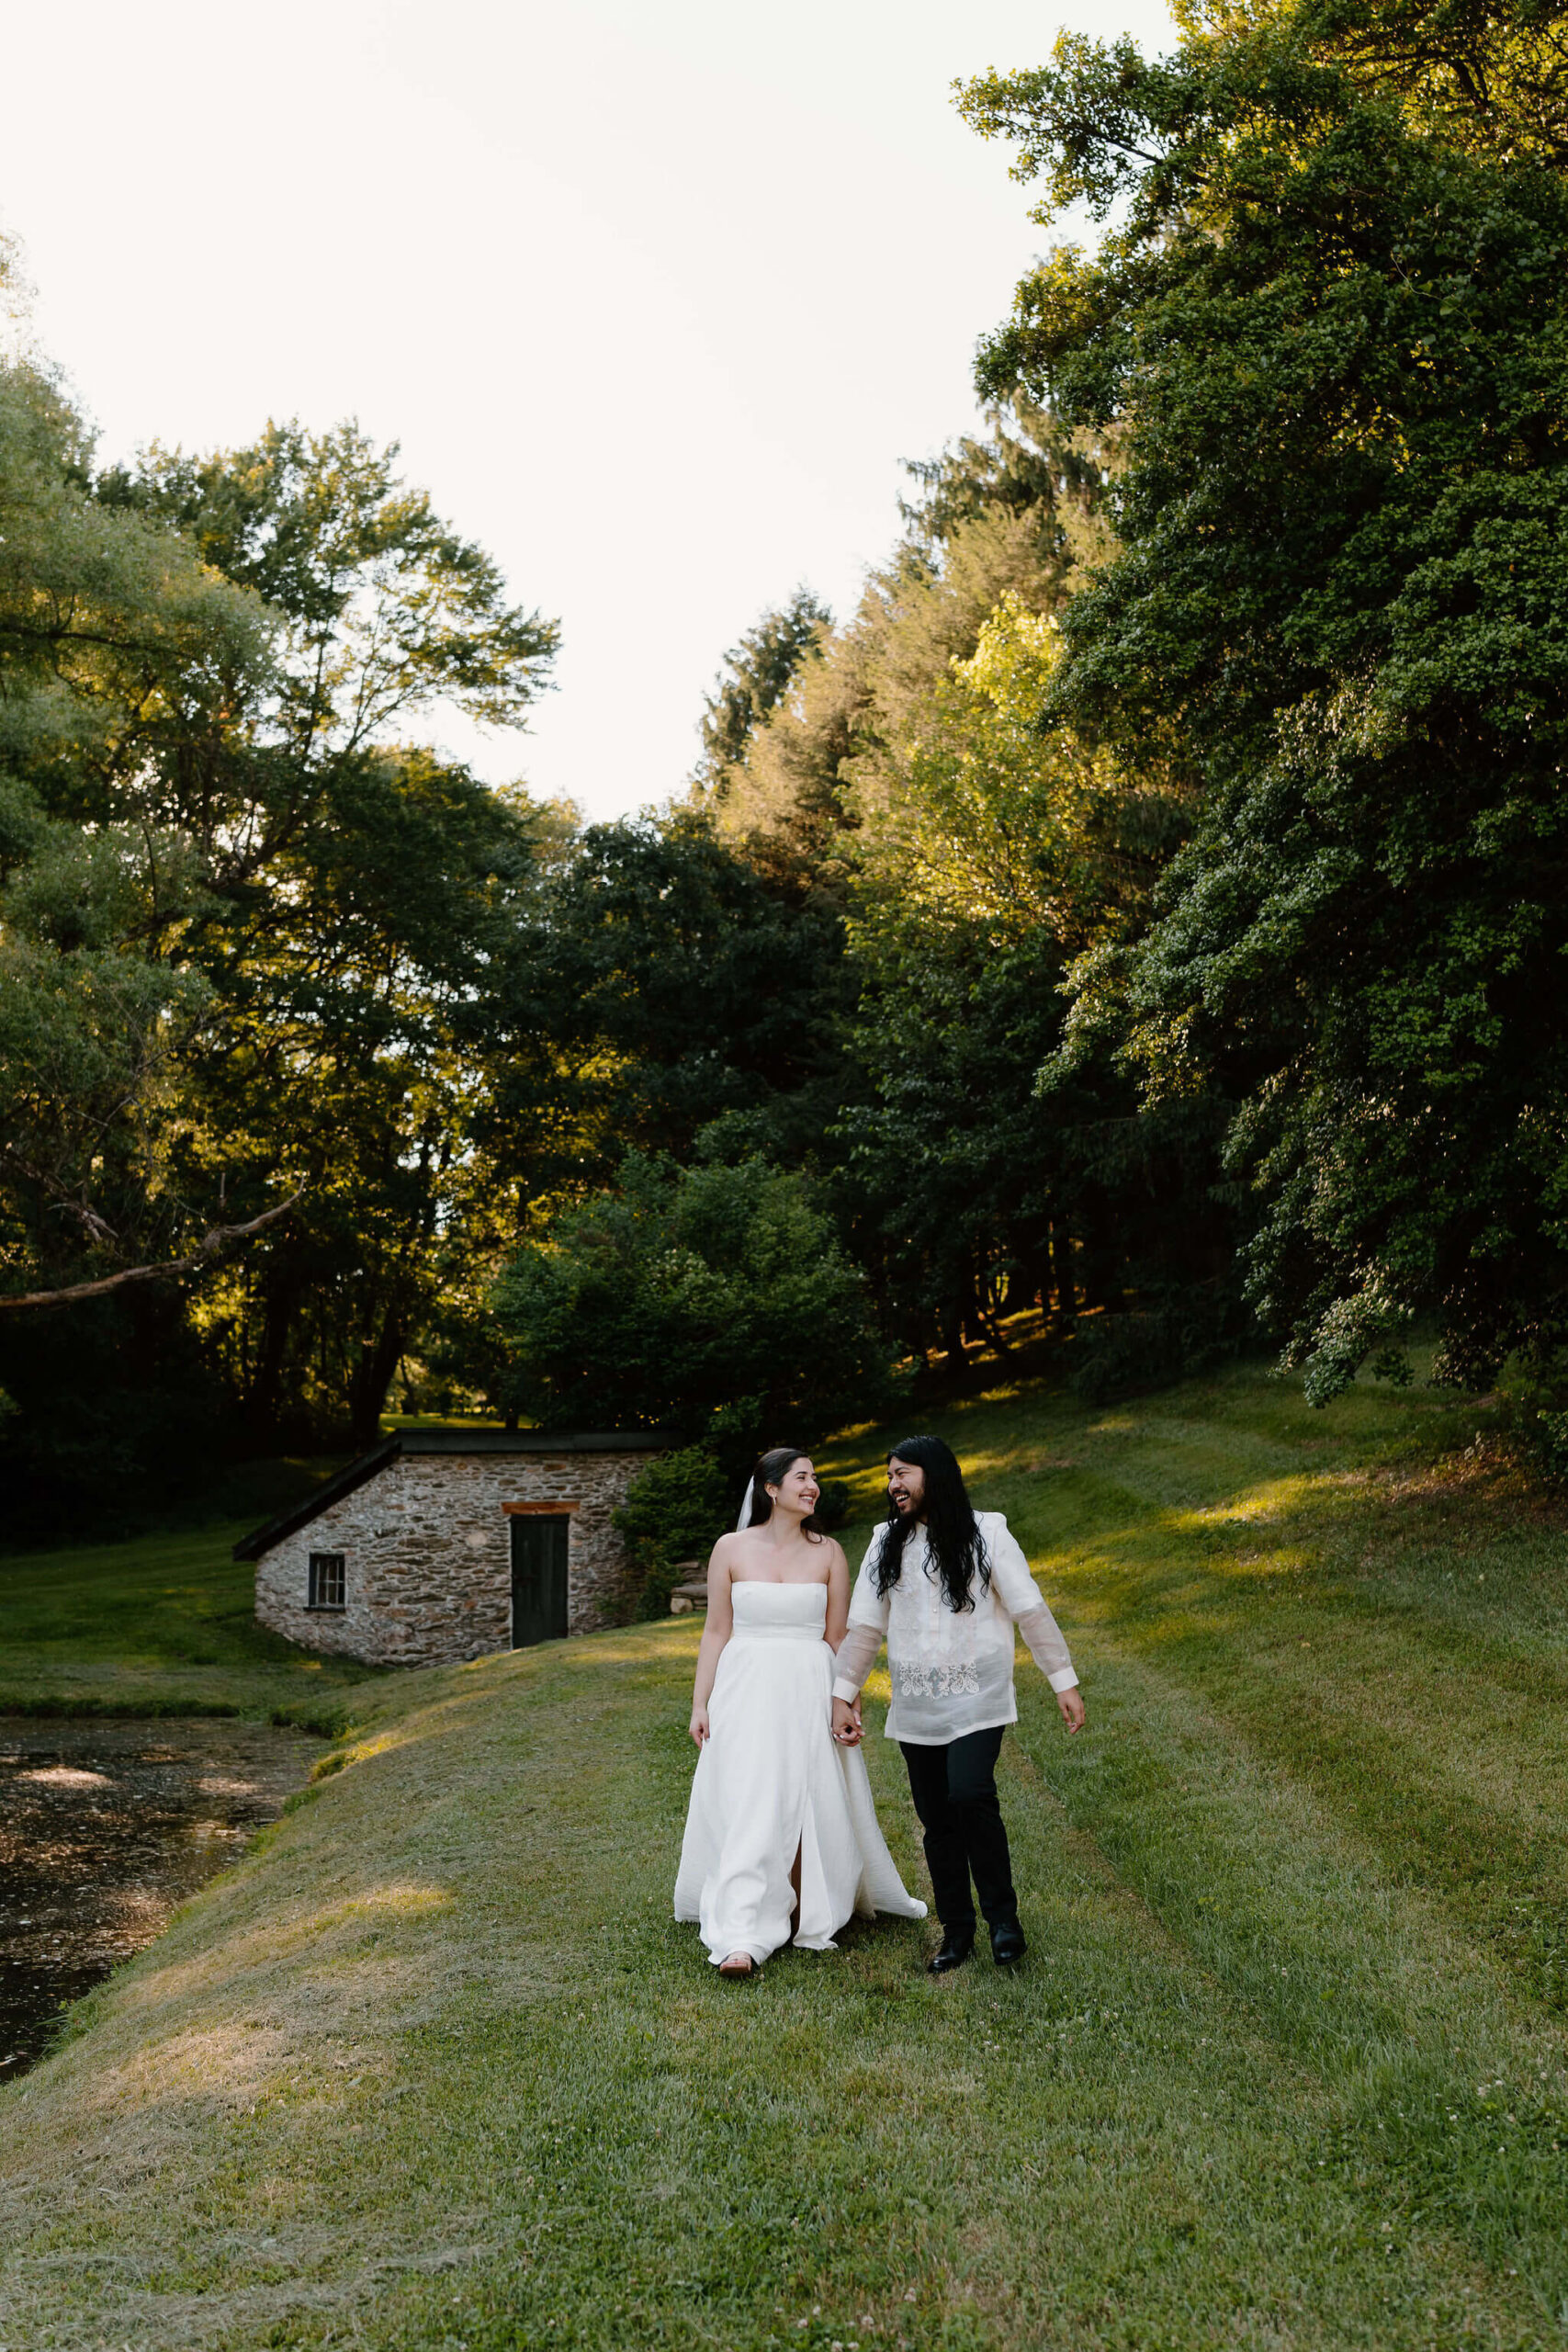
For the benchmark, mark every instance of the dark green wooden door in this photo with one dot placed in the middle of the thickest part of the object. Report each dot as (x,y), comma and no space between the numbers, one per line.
(538,1577)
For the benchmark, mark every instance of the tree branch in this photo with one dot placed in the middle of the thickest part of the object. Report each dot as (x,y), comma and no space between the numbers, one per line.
(210,1246)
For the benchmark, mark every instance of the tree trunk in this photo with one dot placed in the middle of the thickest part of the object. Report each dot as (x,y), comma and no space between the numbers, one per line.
(951,1327)
(1101,1257)
(282,1293)
(373,1375)
(1062,1269)
(987,1310)
(972,1322)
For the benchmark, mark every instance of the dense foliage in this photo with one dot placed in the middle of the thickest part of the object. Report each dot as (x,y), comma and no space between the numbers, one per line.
(709,1301)
(1143,914)
(675,1511)
(1333,312)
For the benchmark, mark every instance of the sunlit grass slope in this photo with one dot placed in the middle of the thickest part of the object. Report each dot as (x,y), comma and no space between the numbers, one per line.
(159,1624)
(1285,2068)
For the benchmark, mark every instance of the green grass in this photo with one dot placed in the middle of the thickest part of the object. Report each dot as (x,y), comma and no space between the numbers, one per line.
(158,1625)
(432,2070)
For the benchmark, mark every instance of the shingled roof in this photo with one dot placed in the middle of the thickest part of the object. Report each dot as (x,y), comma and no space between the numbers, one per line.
(412,1442)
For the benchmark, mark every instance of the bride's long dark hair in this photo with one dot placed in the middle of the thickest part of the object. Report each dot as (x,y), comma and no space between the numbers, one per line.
(953,1540)
(773,1467)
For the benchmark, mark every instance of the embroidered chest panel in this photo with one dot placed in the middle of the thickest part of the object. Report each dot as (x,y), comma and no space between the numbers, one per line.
(935,1652)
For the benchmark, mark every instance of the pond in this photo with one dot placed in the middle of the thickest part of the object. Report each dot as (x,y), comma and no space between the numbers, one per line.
(106,1824)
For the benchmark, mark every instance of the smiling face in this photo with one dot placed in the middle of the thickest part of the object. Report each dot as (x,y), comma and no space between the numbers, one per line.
(797,1491)
(905,1487)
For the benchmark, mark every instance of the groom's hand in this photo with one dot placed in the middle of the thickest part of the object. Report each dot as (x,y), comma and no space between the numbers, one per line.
(846,1722)
(1071,1703)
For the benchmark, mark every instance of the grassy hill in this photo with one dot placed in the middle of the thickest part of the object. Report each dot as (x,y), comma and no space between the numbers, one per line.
(434,2068)
(157,1625)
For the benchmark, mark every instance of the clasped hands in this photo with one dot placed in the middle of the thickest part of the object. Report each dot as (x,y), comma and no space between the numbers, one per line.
(846,1722)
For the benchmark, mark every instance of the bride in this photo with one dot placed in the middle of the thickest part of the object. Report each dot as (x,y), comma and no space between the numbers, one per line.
(781,1837)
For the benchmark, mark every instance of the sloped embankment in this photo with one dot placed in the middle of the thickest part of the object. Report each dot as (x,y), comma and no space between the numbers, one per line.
(434,2068)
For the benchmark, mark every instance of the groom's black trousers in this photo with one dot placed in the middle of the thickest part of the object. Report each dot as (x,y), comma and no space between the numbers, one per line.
(955,1789)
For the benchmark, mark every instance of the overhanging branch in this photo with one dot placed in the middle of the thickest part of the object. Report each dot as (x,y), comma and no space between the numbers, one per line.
(212,1245)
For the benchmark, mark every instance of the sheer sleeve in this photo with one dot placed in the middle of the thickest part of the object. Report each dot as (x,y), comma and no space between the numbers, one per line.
(1043,1639)
(857,1656)
(867,1628)
(1021,1598)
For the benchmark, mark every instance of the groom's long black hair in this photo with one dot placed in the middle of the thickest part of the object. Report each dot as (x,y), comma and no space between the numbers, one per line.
(954,1539)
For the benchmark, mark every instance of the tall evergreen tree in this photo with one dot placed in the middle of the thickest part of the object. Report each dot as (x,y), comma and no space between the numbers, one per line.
(756,676)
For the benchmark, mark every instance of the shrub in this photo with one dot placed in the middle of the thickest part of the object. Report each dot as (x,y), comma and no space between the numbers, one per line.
(673,1511)
(832,1505)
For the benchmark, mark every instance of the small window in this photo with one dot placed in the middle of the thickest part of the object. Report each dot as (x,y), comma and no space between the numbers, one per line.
(327,1581)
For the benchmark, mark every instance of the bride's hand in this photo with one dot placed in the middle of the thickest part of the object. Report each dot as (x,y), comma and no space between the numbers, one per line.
(846,1722)
(698,1726)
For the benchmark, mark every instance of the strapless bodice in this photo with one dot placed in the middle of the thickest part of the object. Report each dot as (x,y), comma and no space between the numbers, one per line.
(779,1612)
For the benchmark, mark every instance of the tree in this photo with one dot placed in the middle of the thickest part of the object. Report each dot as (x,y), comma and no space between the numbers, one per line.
(795,800)
(118,649)
(245,926)
(1328,323)
(659,983)
(756,676)
(714,1301)
(361,893)
(1008,848)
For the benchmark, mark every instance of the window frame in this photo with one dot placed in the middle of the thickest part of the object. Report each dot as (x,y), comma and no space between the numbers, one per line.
(335,1564)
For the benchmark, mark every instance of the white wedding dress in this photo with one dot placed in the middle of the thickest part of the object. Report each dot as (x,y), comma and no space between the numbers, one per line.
(771,1780)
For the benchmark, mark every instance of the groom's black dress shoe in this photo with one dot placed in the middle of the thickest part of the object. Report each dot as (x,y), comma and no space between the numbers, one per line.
(954,1949)
(1006,1943)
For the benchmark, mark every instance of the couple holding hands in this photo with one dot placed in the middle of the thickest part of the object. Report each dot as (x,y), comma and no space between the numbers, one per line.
(781,1840)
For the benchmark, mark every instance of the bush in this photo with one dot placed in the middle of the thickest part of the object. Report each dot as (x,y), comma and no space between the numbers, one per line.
(712,1301)
(673,1511)
(676,1510)
(832,1505)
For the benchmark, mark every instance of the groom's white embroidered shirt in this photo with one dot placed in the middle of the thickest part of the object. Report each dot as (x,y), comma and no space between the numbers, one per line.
(951,1671)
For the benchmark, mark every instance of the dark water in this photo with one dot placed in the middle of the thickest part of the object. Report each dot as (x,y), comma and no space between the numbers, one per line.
(105,1827)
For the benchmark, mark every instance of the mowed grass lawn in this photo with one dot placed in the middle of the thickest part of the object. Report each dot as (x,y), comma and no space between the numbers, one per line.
(157,1625)
(1285,2068)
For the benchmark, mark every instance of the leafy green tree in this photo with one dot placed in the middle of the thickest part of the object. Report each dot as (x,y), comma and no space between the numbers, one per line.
(792,804)
(245,927)
(351,1046)
(118,648)
(359,896)
(1009,847)
(1328,317)
(658,983)
(756,676)
(715,1301)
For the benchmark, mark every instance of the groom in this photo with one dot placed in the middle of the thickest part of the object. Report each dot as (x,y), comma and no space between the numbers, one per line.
(946,1587)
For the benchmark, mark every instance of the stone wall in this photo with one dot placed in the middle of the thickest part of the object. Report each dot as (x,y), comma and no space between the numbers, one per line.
(427,1549)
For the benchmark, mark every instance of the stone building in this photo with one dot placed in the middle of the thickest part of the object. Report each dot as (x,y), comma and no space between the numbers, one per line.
(443,1544)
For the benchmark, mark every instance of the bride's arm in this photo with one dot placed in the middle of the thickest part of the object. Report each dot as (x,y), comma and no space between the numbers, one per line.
(717,1629)
(838,1595)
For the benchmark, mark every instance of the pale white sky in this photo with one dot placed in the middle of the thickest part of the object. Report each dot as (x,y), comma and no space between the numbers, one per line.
(656,298)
